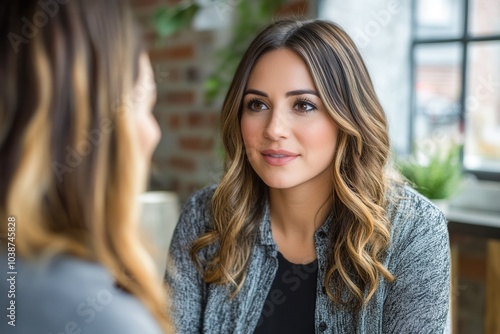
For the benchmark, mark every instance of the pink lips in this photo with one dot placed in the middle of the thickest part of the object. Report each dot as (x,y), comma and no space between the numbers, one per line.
(278,157)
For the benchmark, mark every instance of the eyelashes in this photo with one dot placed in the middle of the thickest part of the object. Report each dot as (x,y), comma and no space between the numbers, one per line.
(301,105)
(305,102)
(254,102)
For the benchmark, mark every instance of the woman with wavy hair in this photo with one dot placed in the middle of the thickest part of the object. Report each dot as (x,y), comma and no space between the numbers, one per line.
(76,138)
(307,232)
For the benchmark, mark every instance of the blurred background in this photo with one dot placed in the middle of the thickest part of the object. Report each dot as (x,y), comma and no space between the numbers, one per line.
(435,65)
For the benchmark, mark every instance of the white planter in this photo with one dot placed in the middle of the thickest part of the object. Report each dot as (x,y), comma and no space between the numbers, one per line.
(442,204)
(159,215)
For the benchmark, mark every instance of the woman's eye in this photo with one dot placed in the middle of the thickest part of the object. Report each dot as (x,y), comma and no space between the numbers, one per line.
(256,105)
(304,106)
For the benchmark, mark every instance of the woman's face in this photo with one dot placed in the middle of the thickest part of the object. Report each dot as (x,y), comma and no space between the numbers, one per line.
(290,139)
(144,98)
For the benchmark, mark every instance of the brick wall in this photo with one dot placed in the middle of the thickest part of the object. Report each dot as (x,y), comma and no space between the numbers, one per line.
(188,156)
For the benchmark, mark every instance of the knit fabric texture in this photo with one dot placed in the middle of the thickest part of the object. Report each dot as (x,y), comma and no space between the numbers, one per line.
(416,302)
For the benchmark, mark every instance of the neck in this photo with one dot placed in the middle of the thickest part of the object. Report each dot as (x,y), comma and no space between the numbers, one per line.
(300,210)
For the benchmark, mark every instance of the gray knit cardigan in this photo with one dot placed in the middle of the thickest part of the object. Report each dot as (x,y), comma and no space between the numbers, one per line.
(416,302)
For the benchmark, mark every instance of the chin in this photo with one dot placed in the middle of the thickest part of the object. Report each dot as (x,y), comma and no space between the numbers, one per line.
(277,183)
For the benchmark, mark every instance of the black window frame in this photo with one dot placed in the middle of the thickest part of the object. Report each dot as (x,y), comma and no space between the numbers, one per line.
(464,39)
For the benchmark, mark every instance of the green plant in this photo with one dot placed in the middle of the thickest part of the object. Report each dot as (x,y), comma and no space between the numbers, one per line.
(251,18)
(171,19)
(435,173)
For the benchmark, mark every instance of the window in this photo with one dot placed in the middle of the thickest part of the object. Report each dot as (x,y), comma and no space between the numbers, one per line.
(456,78)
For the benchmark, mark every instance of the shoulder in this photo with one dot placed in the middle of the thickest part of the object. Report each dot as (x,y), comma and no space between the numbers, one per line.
(418,257)
(406,204)
(65,292)
(200,200)
(414,218)
(197,211)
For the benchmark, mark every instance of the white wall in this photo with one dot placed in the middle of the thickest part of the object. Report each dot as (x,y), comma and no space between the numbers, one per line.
(382,31)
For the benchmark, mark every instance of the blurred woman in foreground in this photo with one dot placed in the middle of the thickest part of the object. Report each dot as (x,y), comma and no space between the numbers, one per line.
(76,138)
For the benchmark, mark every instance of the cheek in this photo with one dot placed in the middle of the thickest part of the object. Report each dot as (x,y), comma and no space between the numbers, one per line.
(321,137)
(250,131)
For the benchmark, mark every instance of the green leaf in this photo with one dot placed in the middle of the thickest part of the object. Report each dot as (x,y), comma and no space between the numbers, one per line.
(169,20)
(252,17)
(439,178)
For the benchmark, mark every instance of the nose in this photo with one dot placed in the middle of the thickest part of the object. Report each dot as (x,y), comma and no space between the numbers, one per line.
(277,126)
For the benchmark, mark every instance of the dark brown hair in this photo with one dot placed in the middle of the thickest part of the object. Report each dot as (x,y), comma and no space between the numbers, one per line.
(361,229)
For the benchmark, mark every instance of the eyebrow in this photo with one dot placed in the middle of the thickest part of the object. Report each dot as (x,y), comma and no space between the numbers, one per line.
(288,94)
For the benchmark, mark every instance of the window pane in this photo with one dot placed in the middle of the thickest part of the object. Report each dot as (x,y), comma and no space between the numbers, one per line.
(437,91)
(484,17)
(439,18)
(482,135)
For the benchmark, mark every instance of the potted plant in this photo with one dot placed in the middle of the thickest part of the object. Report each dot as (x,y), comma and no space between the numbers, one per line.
(434,170)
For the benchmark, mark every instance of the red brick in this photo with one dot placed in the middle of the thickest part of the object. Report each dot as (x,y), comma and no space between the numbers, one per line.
(202,120)
(298,8)
(150,36)
(160,116)
(164,74)
(196,143)
(175,121)
(180,163)
(178,97)
(173,53)
(173,74)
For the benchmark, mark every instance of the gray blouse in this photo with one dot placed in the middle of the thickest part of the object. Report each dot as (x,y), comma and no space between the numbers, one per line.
(416,302)
(64,294)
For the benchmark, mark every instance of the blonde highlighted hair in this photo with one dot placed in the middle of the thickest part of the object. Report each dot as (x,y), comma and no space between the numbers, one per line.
(360,232)
(71,166)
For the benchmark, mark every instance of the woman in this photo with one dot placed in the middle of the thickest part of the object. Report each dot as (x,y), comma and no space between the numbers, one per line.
(307,232)
(76,137)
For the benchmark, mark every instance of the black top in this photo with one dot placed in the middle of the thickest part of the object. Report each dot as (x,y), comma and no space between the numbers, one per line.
(291,302)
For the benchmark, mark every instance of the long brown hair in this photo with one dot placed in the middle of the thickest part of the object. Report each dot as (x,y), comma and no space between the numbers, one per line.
(360,233)
(71,167)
